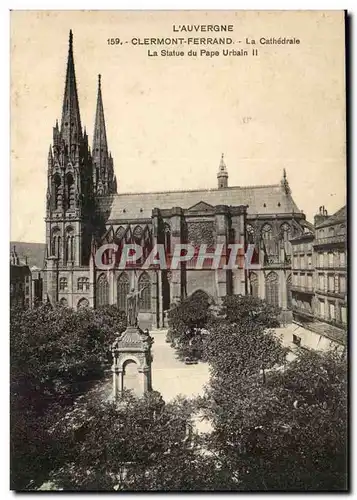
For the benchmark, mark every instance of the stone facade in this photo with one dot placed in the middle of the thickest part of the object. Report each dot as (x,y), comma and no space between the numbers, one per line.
(84,211)
(20,282)
(319,287)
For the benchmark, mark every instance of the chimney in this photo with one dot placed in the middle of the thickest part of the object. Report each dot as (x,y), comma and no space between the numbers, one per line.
(321,216)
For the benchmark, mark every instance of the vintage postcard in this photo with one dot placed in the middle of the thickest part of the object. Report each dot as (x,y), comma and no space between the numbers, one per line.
(178,254)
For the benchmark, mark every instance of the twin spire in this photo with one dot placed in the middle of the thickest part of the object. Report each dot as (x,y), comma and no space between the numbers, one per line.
(71,129)
(100,146)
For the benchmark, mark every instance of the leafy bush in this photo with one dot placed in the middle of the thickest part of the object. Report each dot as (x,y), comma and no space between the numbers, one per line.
(246,308)
(185,320)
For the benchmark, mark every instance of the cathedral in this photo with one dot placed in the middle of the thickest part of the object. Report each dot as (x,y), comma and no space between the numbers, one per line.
(84,210)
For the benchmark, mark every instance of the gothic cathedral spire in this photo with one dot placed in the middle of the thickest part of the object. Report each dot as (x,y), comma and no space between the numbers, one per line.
(71,129)
(69,186)
(103,172)
(100,146)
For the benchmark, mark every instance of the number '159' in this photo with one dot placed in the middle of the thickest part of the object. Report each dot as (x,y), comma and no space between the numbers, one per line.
(114,41)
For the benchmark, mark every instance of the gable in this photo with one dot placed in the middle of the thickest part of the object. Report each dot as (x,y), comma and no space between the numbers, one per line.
(201,206)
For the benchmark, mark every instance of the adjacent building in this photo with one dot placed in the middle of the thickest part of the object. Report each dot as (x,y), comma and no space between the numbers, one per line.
(26,283)
(20,282)
(319,286)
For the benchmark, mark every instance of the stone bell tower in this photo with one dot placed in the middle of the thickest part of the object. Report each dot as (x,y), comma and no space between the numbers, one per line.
(132,362)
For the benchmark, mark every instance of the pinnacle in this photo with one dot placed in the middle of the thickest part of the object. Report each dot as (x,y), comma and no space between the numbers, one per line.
(71,129)
(222,165)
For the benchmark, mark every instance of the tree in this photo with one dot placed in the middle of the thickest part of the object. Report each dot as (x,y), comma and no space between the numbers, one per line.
(241,309)
(55,355)
(277,426)
(288,433)
(240,340)
(136,444)
(186,319)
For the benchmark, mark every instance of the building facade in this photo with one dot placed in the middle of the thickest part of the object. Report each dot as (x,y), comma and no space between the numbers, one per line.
(25,283)
(319,288)
(20,282)
(84,211)
(330,248)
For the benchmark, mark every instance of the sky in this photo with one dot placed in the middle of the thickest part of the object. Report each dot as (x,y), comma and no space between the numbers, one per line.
(168,119)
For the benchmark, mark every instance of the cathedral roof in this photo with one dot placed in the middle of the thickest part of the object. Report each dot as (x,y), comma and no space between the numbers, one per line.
(269,199)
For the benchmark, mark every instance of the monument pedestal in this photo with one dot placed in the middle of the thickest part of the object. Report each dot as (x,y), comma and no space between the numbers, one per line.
(132,362)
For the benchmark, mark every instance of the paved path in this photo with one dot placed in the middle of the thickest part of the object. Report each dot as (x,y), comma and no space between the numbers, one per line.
(172,377)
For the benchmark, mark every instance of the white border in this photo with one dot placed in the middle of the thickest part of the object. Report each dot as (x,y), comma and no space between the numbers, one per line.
(5,149)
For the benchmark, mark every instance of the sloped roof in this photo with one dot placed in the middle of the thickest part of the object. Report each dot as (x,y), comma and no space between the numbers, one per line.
(270,199)
(339,216)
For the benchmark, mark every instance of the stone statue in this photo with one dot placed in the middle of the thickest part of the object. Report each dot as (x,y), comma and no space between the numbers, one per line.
(132,301)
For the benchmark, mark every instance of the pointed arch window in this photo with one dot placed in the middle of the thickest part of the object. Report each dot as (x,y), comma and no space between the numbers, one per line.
(267,233)
(285,230)
(123,286)
(272,289)
(102,291)
(145,297)
(120,233)
(254,285)
(288,292)
(82,303)
(250,233)
(63,284)
(167,239)
(57,191)
(63,302)
(70,191)
(147,243)
(138,235)
(137,238)
(56,243)
(70,245)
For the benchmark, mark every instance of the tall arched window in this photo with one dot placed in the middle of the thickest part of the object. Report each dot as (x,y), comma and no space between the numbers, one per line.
(254,285)
(288,292)
(69,244)
(147,243)
(119,233)
(267,233)
(102,291)
(285,231)
(123,286)
(138,240)
(145,297)
(137,235)
(250,233)
(57,191)
(167,236)
(70,191)
(63,284)
(272,289)
(56,243)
